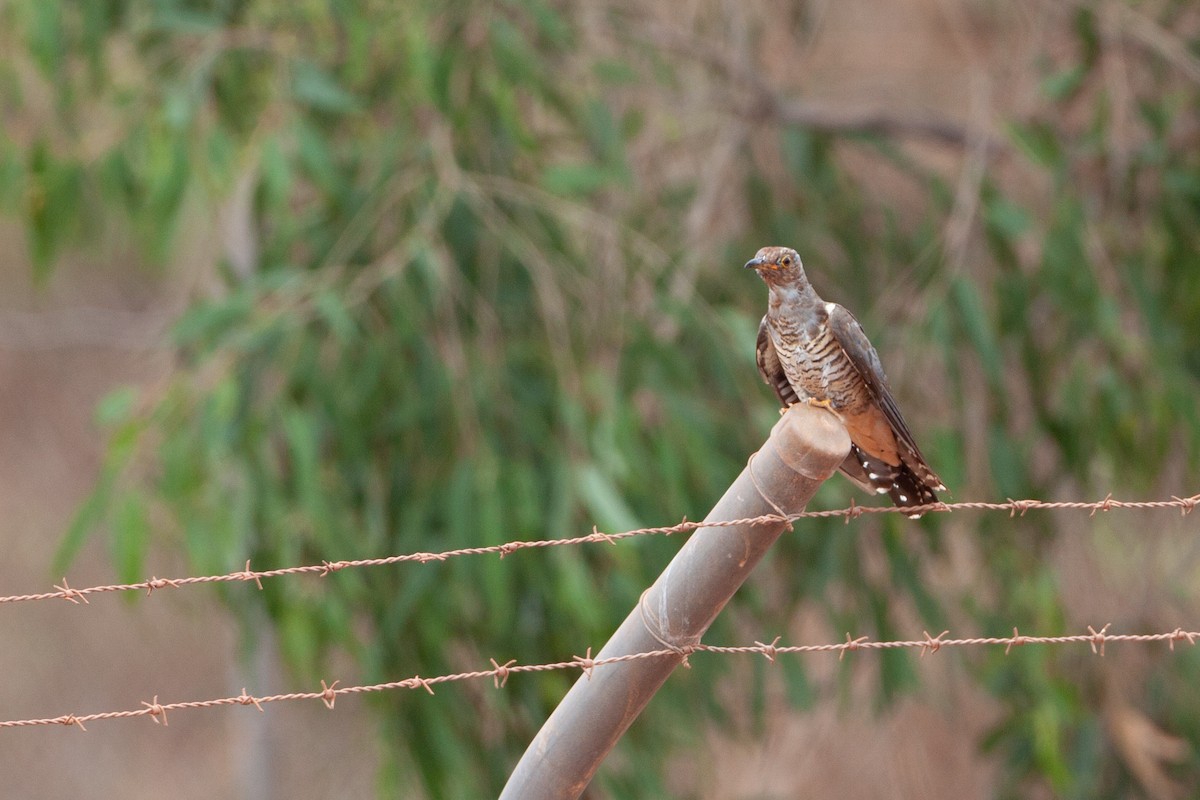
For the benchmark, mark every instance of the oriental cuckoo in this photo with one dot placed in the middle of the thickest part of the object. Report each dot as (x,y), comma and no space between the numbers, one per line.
(810,351)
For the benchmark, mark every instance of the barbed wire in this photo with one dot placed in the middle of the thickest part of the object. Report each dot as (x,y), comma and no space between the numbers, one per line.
(500,673)
(853,511)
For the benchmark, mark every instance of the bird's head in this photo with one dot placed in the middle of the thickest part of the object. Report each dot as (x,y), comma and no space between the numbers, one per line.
(778,266)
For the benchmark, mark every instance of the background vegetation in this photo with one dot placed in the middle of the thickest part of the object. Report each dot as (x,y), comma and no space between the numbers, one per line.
(481,281)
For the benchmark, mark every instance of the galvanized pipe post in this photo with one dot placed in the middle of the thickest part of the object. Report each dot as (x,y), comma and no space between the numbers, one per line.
(806,446)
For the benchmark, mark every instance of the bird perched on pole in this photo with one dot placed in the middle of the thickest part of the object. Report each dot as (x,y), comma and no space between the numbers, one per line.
(816,352)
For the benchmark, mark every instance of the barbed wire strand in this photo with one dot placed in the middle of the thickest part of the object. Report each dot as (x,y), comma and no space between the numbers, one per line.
(500,673)
(1013,507)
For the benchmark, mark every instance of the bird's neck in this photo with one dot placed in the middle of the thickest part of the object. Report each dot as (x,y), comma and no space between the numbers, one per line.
(796,296)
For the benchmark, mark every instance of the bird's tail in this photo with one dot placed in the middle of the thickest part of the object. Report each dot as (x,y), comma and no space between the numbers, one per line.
(900,483)
(909,490)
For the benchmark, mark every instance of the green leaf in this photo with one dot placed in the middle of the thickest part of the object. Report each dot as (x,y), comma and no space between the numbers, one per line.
(517,60)
(800,691)
(604,502)
(1006,218)
(1008,464)
(551,23)
(615,72)
(316,157)
(573,180)
(116,406)
(178,19)
(331,308)
(975,322)
(1047,742)
(314,87)
(12,176)
(179,107)
(204,324)
(298,637)
(130,538)
(1064,83)
(93,512)
(275,184)
(303,437)
(605,136)
(46,38)
(53,199)
(1039,142)
(576,584)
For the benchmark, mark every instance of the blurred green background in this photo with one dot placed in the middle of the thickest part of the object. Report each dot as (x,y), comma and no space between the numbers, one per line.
(447,275)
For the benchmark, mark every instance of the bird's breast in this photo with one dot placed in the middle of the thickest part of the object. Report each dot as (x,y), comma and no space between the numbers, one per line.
(816,365)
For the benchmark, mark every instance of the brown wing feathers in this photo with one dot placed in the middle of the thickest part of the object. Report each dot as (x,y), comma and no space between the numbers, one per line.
(770,368)
(922,481)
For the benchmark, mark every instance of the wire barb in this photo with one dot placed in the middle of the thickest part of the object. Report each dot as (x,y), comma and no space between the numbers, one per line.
(932,643)
(587,663)
(1096,639)
(769,650)
(250,575)
(851,644)
(159,583)
(73,595)
(1178,635)
(853,511)
(249,700)
(1019,505)
(1103,505)
(328,693)
(156,711)
(500,678)
(597,536)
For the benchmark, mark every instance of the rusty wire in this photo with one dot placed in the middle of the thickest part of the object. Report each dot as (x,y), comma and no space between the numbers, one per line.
(1013,507)
(500,673)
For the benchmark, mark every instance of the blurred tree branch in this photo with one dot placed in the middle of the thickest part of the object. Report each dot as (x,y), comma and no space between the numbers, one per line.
(766,103)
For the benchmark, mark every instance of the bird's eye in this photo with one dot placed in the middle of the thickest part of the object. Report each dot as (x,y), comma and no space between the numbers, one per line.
(787,261)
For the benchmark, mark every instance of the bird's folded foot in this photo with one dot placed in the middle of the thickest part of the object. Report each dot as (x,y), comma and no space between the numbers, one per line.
(826,403)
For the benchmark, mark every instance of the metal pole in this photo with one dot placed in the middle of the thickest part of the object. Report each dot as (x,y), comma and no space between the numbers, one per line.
(804,449)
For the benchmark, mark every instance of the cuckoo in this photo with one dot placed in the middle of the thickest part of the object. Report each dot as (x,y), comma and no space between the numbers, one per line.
(816,352)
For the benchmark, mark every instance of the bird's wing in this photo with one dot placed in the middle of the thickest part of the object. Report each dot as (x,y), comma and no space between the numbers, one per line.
(862,356)
(855,465)
(770,368)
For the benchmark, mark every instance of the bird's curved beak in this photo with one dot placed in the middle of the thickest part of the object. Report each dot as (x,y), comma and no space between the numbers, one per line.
(754,263)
